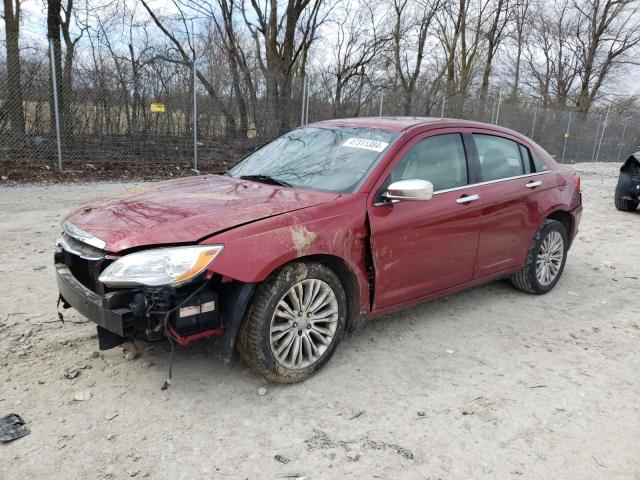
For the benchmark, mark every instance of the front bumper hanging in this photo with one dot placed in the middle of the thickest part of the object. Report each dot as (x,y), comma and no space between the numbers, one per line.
(110,311)
(150,314)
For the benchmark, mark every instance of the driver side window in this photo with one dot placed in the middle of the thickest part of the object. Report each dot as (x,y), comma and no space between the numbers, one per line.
(439,159)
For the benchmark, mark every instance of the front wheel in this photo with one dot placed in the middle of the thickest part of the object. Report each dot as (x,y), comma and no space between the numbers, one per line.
(625,205)
(545,261)
(294,322)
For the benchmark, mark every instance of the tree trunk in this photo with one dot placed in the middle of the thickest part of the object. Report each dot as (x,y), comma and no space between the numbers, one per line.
(407,101)
(67,93)
(14,87)
(284,102)
(53,35)
(516,79)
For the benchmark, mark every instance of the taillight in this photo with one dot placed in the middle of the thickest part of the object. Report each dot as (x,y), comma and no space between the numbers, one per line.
(576,178)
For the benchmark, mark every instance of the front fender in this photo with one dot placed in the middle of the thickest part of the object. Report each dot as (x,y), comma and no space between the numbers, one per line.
(629,178)
(252,252)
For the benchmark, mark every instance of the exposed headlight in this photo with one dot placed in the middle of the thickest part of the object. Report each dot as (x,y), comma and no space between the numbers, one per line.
(173,266)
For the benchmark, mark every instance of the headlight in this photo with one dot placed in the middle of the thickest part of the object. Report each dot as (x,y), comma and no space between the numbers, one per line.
(172,266)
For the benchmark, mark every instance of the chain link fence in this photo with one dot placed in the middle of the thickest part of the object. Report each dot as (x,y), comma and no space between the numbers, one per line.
(114,114)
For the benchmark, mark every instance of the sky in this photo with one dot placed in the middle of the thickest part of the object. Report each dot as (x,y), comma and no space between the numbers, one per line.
(33,32)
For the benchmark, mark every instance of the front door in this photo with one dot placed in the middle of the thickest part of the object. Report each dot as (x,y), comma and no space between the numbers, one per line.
(420,247)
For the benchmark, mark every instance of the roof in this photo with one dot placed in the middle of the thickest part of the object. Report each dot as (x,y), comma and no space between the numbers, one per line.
(400,124)
(397,124)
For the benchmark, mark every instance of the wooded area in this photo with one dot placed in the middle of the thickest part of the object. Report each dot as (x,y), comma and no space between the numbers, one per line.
(561,71)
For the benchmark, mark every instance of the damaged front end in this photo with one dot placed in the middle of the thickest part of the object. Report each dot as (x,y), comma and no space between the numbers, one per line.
(193,307)
(628,188)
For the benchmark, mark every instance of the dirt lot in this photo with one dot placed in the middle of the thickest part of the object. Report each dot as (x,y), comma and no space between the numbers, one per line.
(488,383)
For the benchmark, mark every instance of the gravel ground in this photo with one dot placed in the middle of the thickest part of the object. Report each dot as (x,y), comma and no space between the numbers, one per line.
(487,383)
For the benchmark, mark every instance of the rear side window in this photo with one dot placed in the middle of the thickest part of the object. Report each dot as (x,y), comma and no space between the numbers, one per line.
(440,160)
(499,157)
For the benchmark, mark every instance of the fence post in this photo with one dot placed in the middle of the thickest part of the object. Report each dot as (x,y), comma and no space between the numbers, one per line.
(493,109)
(533,125)
(381,101)
(624,128)
(444,100)
(195,115)
(498,109)
(604,126)
(304,100)
(566,137)
(595,143)
(55,101)
(306,112)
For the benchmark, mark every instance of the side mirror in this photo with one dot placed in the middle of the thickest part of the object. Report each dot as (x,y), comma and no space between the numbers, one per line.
(409,190)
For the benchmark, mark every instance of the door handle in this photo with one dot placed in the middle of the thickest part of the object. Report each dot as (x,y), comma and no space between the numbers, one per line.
(468,198)
(535,184)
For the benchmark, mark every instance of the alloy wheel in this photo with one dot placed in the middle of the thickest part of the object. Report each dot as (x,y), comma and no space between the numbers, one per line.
(304,324)
(550,257)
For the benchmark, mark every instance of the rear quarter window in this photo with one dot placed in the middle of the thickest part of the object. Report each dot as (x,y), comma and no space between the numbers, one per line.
(538,164)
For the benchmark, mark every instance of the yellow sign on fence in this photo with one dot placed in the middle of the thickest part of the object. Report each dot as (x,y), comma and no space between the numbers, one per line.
(157,107)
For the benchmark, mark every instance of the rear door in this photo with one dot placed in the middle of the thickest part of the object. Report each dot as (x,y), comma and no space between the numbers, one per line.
(510,191)
(420,247)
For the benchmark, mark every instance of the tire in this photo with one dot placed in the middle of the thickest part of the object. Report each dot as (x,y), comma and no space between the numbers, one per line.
(625,205)
(528,278)
(268,324)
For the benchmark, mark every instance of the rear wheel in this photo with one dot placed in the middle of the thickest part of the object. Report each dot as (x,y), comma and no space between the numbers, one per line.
(625,205)
(545,261)
(294,322)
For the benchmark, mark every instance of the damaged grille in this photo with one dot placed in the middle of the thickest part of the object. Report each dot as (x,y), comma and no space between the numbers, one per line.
(81,249)
(85,261)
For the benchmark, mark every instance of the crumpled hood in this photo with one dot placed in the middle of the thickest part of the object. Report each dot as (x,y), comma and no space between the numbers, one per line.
(186,210)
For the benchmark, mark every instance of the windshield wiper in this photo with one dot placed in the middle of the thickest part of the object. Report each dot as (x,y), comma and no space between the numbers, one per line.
(265,179)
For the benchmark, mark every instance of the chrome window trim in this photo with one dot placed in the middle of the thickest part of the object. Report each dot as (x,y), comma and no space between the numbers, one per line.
(480,184)
(82,236)
(492,181)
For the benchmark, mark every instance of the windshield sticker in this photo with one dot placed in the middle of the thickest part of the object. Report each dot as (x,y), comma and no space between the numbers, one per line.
(374,145)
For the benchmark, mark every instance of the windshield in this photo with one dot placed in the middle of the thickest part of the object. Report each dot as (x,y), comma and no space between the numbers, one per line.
(330,159)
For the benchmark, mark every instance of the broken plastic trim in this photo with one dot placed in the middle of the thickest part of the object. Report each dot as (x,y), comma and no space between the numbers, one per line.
(12,427)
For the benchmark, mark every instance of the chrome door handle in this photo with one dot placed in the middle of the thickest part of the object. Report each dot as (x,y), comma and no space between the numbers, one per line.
(468,198)
(533,184)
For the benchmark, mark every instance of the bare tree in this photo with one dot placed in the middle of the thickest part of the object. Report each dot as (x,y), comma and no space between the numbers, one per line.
(187,59)
(355,43)
(412,25)
(59,21)
(500,16)
(13,107)
(54,20)
(520,20)
(608,34)
(282,41)
(460,34)
(552,60)
(222,16)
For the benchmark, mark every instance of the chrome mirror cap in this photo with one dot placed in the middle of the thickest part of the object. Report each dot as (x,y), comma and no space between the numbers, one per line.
(409,190)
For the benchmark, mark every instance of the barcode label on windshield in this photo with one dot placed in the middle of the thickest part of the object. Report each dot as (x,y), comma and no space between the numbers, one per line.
(366,144)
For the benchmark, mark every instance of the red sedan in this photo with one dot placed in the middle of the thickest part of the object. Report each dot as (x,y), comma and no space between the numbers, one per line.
(316,232)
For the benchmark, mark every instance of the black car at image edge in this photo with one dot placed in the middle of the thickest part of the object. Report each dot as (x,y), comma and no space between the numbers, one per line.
(628,190)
